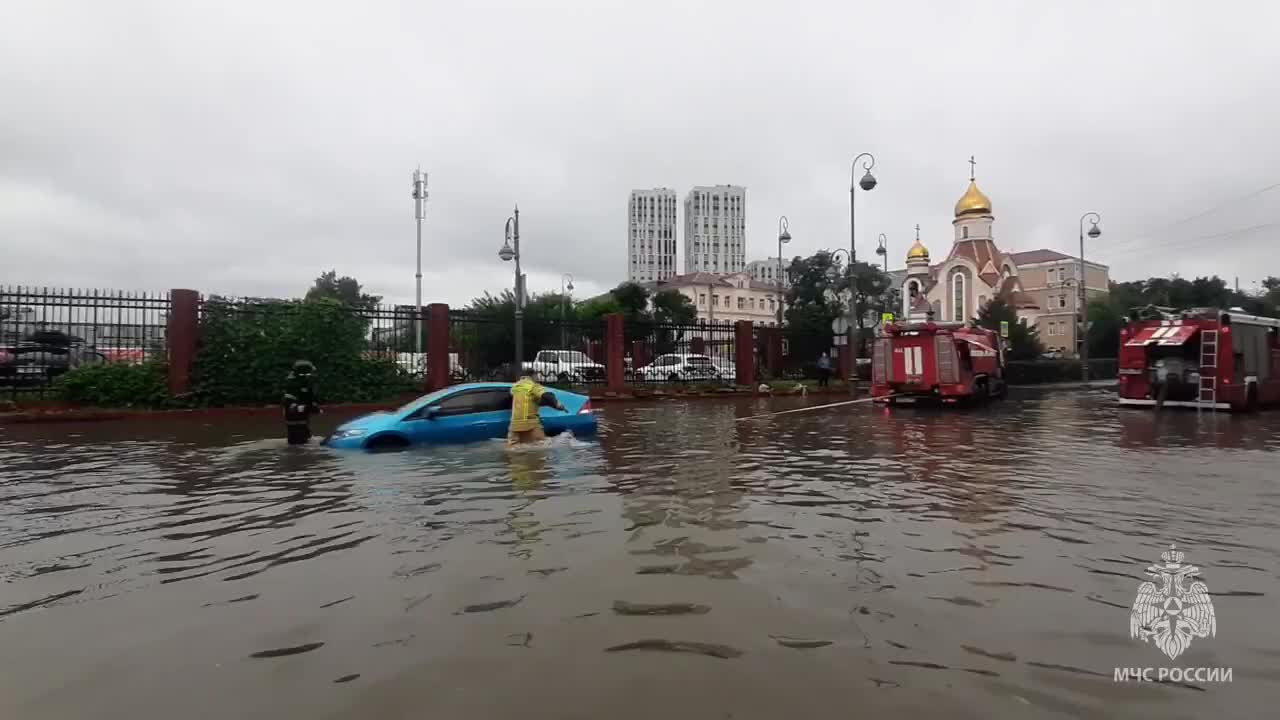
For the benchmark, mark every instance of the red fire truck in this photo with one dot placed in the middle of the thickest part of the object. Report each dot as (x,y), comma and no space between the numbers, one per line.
(946,362)
(1203,358)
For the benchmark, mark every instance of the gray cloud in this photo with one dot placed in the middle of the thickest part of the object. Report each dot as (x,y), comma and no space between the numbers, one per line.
(245,148)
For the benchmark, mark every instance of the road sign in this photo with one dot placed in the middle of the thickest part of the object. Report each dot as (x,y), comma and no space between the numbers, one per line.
(886,318)
(1004,328)
(840,326)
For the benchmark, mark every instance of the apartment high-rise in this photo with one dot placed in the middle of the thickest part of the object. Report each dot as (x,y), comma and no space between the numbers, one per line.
(651,235)
(714,229)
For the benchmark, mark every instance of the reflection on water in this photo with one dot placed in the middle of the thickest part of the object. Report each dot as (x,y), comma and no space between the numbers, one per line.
(685,565)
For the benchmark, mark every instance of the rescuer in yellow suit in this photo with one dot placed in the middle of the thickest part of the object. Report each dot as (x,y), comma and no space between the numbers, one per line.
(527,396)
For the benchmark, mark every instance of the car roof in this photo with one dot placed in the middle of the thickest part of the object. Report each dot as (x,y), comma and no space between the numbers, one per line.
(454,389)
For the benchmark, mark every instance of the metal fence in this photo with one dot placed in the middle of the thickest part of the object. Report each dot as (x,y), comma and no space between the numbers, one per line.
(389,331)
(45,332)
(482,348)
(669,353)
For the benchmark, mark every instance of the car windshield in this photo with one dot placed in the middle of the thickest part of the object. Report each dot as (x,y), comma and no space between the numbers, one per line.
(574,357)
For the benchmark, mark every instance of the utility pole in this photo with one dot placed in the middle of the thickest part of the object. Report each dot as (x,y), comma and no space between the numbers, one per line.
(419,212)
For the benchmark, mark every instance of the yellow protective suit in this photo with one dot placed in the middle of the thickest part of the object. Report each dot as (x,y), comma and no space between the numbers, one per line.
(526,426)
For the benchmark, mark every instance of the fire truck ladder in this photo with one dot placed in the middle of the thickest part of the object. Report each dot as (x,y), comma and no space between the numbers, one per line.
(1208,367)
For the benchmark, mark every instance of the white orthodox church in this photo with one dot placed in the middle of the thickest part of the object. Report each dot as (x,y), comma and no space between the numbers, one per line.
(973,272)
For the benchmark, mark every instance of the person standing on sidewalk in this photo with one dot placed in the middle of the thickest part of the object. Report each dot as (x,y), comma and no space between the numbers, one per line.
(824,370)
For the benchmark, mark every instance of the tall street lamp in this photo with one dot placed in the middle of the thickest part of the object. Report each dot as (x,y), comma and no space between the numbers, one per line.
(834,275)
(867,182)
(784,237)
(1082,299)
(511,251)
(419,198)
(883,251)
(563,301)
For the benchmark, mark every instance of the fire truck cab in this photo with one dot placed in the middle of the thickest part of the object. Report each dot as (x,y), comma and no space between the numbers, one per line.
(945,362)
(1204,358)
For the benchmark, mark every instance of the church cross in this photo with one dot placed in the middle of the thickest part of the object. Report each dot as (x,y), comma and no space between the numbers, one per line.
(917,232)
(972,164)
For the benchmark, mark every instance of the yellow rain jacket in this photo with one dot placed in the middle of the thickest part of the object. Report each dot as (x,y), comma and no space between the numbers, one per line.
(525,398)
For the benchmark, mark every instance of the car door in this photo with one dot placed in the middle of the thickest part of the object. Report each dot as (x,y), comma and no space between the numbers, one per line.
(452,418)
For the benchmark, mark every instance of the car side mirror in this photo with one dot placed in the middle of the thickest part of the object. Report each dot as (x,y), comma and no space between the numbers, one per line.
(432,412)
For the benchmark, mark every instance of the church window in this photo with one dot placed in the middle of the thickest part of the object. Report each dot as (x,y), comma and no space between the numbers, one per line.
(982,301)
(965,230)
(957,297)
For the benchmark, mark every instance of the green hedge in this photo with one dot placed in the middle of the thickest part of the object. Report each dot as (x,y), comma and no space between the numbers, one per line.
(117,385)
(247,349)
(1032,372)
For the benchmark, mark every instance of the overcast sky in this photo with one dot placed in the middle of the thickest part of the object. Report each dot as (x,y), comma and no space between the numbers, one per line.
(244,147)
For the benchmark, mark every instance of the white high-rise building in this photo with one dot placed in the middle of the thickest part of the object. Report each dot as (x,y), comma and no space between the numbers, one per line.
(651,235)
(715,229)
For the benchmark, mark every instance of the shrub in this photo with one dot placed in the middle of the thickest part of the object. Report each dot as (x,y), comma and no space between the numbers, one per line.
(247,349)
(117,385)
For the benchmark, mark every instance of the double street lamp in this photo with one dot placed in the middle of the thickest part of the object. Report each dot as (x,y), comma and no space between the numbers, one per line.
(867,182)
(784,237)
(511,251)
(564,298)
(1082,299)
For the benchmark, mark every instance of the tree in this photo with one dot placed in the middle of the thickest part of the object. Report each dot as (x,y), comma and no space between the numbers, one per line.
(872,287)
(632,298)
(812,304)
(1024,342)
(346,290)
(673,306)
(1105,321)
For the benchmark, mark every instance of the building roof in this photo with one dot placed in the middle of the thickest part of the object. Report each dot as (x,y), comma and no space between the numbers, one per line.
(983,254)
(704,279)
(1042,255)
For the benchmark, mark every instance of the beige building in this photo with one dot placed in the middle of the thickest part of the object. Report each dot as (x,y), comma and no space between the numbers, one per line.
(1039,284)
(726,298)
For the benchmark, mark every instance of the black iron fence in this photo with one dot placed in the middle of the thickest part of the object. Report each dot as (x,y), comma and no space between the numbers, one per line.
(704,352)
(482,348)
(45,332)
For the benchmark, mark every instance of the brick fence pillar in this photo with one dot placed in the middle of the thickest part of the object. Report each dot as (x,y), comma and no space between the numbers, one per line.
(615,368)
(846,362)
(773,351)
(183,334)
(744,350)
(437,321)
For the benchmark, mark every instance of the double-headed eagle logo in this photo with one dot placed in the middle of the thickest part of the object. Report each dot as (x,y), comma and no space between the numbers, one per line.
(1170,612)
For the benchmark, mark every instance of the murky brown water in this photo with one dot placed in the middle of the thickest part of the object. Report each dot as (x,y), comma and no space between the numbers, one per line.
(827,564)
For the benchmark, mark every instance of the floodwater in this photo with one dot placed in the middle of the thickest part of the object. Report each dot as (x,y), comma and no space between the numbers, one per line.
(846,562)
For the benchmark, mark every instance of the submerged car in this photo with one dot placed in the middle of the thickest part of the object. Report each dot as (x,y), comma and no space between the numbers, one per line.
(458,414)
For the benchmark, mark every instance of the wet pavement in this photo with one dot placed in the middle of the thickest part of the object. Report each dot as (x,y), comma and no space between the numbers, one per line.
(853,561)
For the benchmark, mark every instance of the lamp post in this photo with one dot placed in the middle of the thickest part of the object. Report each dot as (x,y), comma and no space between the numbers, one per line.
(563,301)
(419,199)
(1082,299)
(784,237)
(834,276)
(511,251)
(867,182)
(883,251)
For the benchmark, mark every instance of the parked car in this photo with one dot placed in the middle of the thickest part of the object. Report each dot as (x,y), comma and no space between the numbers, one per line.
(43,356)
(565,366)
(674,367)
(458,414)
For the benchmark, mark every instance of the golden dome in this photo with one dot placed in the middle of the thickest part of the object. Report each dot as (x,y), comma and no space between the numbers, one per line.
(918,251)
(973,202)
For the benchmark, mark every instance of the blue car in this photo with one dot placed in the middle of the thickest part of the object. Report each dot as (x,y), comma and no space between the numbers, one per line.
(458,414)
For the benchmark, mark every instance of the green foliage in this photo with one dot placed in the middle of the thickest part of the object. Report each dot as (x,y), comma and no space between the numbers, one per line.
(346,290)
(1180,293)
(117,385)
(1105,321)
(246,350)
(632,298)
(673,306)
(812,304)
(1024,341)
